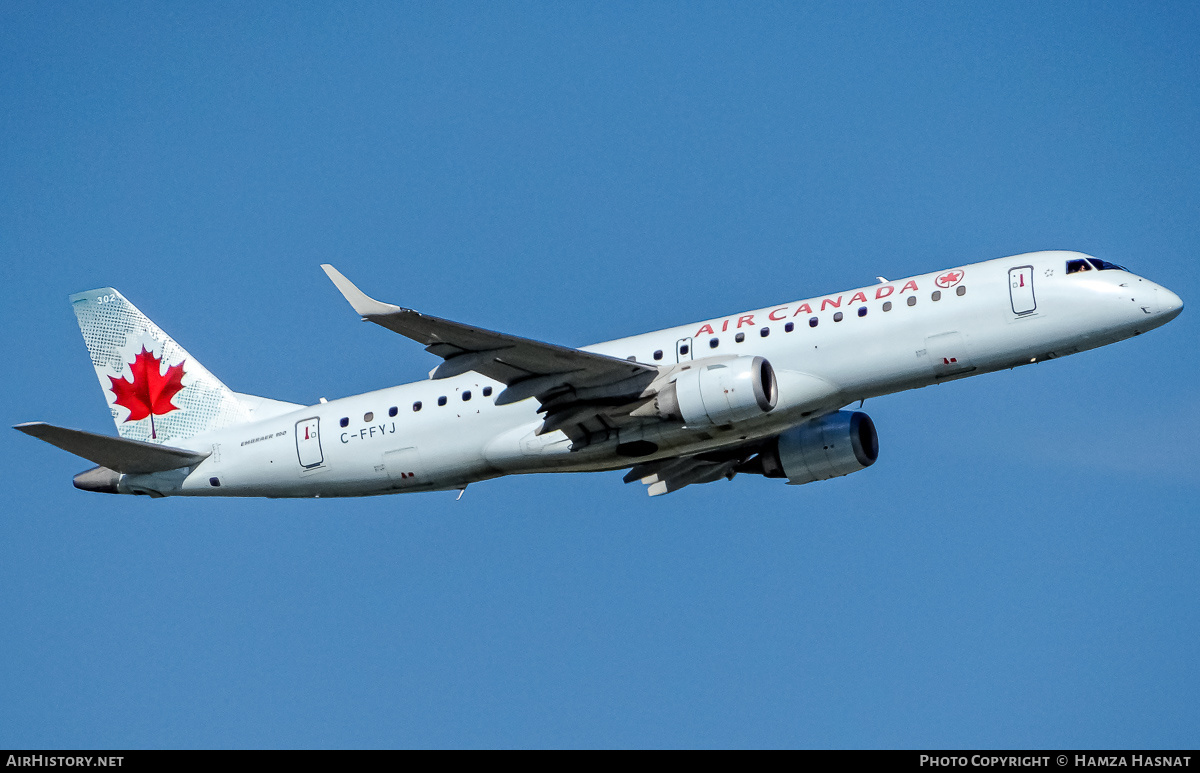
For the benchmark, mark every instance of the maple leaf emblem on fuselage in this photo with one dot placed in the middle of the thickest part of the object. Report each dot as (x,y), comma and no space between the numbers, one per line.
(150,391)
(949,279)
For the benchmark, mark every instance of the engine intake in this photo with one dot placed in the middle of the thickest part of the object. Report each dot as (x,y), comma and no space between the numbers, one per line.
(714,392)
(828,447)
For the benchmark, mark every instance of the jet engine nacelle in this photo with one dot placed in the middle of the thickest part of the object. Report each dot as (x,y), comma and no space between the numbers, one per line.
(828,447)
(720,391)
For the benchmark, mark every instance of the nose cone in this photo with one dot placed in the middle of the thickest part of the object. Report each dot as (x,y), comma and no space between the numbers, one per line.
(1169,304)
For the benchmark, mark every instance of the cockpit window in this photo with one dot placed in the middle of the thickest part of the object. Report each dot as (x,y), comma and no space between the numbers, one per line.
(1075,266)
(1104,265)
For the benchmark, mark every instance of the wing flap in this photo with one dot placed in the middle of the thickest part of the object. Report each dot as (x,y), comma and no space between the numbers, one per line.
(664,476)
(120,454)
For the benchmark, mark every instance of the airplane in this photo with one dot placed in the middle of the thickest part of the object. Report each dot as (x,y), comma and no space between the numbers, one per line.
(762,392)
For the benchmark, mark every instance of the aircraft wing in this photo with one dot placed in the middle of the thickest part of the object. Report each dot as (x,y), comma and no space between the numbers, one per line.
(663,476)
(581,392)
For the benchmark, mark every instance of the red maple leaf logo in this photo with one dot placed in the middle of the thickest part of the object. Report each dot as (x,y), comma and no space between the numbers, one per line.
(949,279)
(150,392)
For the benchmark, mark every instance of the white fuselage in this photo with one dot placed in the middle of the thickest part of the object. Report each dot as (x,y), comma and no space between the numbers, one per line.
(917,331)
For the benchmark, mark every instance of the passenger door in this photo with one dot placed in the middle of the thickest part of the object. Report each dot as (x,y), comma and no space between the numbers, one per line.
(1020,290)
(308,443)
(683,350)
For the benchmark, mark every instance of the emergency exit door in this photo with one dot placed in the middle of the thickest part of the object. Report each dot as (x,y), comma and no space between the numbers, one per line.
(1020,290)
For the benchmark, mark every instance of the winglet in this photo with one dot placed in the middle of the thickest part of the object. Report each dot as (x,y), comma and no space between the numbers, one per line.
(365,305)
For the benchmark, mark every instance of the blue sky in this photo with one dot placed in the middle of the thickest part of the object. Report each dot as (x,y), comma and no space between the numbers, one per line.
(1020,569)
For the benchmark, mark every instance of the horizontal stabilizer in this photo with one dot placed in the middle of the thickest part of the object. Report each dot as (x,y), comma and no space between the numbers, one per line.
(120,454)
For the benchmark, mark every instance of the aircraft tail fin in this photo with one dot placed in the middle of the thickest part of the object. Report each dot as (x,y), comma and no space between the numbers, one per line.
(156,391)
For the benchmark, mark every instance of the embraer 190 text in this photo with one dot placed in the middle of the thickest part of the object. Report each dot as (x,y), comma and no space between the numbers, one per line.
(760,392)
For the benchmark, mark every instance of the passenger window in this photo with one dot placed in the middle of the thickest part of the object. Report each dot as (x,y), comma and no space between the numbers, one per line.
(683,349)
(837,316)
(912,300)
(962,290)
(345,422)
(712,343)
(393,411)
(766,331)
(862,311)
(466,395)
(812,321)
(416,406)
(739,337)
(487,391)
(887,305)
(789,327)
(1075,266)
(658,354)
(937,295)
(369,416)
(442,400)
